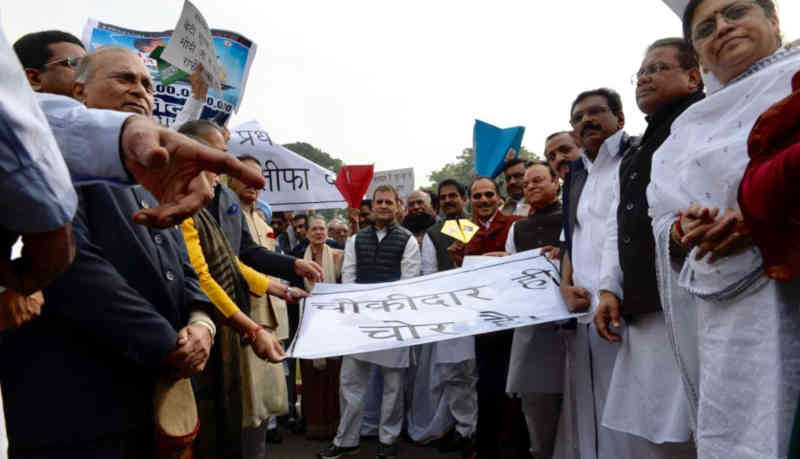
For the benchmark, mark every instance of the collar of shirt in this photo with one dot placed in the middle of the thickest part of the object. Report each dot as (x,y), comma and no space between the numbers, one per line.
(611,147)
(488,222)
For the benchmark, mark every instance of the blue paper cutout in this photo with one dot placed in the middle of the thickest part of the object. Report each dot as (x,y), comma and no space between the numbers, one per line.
(491,145)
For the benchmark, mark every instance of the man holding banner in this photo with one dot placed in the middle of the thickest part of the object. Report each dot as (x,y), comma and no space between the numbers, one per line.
(383,252)
(492,350)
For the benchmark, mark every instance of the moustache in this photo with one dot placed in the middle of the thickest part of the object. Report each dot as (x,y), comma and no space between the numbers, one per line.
(590,126)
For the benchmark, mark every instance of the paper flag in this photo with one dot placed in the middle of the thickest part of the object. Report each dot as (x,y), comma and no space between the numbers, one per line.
(352,182)
(461,229)
(491,146)
(677,6)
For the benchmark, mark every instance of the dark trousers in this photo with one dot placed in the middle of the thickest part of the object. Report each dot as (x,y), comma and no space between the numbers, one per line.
(501,431)
(291,379)
(130,445)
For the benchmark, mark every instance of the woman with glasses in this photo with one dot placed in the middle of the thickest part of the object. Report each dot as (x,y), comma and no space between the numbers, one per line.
(740,356)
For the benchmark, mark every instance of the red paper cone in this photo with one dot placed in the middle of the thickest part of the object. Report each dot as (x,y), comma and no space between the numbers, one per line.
(352,182)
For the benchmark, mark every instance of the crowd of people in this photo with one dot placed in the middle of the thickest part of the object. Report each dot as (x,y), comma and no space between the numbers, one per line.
(148,313)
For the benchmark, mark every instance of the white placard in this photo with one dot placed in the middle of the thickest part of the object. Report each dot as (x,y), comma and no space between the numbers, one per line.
(293,182)
(191,44)
(401,179)
(496,294)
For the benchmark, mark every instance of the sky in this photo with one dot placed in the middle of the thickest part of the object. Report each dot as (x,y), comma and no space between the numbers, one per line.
(399,84)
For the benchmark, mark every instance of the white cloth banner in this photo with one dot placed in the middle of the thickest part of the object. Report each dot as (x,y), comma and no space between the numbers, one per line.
(293,182)
(498,294)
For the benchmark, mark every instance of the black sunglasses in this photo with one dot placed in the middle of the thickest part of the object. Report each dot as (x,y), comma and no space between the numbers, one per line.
(488,194)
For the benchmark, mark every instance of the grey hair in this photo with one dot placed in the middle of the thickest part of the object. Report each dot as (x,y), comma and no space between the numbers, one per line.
(319,218)
(84,72)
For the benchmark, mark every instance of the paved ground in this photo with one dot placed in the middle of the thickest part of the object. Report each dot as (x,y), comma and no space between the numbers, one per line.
(297,447)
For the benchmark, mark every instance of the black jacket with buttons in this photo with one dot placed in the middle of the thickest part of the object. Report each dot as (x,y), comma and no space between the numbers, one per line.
(85,369)
(634,225)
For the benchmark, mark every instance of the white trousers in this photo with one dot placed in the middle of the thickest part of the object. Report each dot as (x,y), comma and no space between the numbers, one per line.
(590,362)
(353,381)
(459,382)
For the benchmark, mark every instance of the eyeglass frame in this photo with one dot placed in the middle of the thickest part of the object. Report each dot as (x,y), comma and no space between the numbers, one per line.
(69,61)
(725,13)
(649,71)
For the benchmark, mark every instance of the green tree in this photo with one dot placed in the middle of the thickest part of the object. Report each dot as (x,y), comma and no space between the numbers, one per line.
(312,153)
(463,169)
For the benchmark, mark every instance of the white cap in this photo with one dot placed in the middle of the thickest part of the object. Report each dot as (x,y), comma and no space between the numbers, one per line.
(678,6)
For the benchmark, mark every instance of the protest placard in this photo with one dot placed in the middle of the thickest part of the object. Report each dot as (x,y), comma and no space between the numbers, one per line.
(494,294)
(401,179)
(234,52)
(191,44)
(292,182)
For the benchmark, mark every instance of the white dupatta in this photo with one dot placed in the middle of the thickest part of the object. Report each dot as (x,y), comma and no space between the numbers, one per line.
(702,162)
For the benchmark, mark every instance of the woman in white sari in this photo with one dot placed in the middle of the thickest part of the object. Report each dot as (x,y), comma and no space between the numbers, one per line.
(735,333)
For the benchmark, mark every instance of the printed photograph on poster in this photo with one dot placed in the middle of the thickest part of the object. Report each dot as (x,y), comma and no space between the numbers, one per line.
(234,52)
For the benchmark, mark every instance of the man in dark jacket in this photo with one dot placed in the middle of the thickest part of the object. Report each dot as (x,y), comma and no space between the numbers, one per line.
(115,320)
(667,84)
(383,252)
(492,350)
(536,371)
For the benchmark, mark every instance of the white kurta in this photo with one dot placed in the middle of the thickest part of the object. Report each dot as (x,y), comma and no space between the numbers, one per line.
(590,226)
(747,326)
(409,267)
(441,384)
(590,358)
(646,396)
(451,350)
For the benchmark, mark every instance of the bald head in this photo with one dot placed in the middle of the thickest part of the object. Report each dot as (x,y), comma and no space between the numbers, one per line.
(114,78)
(418,202)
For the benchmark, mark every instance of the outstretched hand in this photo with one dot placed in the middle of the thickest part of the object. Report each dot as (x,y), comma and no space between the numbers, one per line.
(170,166)
(308,269)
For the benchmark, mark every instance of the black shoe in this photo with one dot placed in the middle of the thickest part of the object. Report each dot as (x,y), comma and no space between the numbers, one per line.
(334,452)
(273,436)
(457,442)
(386,451)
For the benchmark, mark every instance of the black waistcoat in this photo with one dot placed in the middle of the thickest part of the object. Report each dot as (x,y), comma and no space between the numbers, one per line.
(635,233)
(380,261)
(441,242)
(539,229)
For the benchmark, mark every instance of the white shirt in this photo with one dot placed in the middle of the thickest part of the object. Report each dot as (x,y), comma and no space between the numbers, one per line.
(611,276)
(87,137)
(589,236)
(488,222)
(409,265)
(428,256)
(36,194)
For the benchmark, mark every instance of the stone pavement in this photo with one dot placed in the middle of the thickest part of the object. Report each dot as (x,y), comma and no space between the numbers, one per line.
(297,447)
